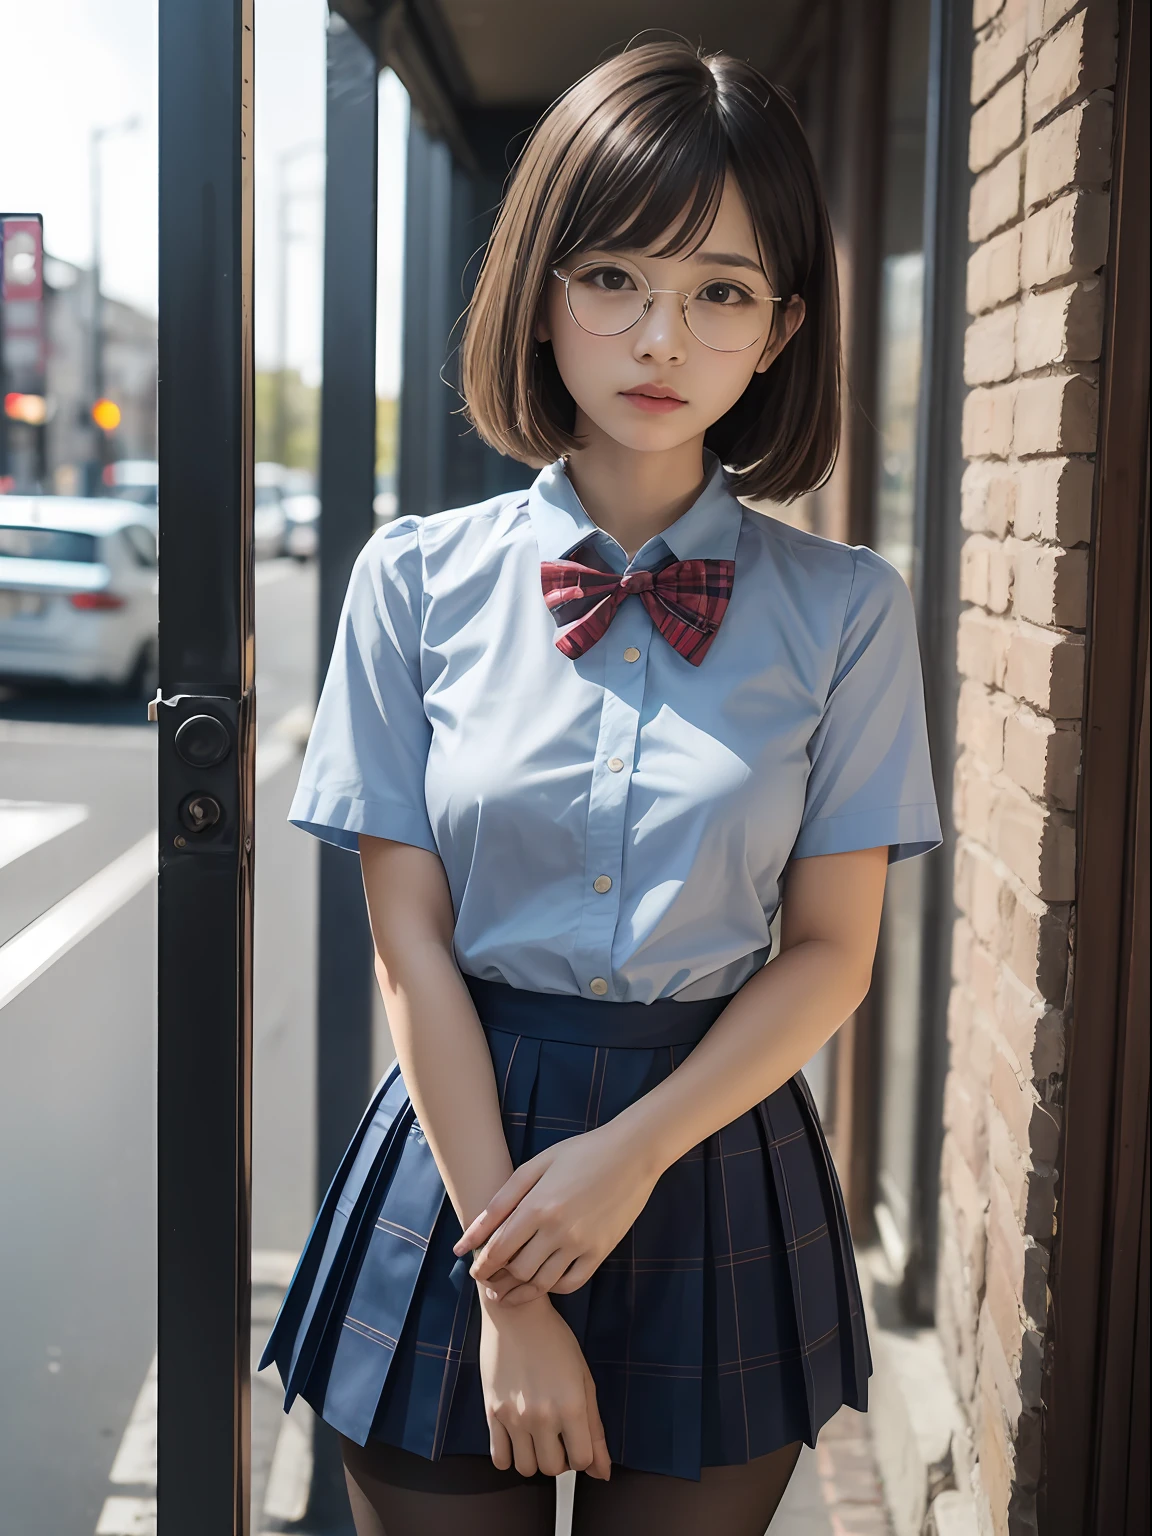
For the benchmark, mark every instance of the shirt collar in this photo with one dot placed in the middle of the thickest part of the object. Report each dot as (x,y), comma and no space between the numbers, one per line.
(707,531)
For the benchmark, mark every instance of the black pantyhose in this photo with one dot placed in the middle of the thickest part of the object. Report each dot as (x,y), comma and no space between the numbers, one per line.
(740,1501)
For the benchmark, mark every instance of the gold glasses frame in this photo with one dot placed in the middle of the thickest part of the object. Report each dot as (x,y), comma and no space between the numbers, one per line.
(761,298)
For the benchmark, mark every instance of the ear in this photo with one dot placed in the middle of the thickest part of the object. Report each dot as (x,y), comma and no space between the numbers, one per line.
(788,322)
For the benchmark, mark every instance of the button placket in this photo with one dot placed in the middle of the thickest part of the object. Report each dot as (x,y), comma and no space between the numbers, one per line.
(631,631)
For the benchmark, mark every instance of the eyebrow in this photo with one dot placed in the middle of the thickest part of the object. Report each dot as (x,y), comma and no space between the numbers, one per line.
(730,259)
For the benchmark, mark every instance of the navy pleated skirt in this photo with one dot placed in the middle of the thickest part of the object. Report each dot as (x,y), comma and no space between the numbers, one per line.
(726,1324)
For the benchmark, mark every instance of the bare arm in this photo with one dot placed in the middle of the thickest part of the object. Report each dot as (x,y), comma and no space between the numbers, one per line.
(538,1393)
(562,1213)
(439,1042)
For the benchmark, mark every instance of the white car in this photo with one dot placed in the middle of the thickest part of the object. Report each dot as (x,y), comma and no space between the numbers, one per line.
(269,524)
(78,592)
(302,510)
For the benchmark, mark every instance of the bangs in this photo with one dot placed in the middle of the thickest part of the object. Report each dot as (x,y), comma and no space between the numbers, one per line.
(657,174)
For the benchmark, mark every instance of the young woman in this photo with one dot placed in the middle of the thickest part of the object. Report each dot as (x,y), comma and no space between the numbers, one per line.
(583,738)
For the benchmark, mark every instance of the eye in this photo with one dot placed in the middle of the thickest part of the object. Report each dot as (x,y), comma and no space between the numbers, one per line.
(606,278)
(730,295)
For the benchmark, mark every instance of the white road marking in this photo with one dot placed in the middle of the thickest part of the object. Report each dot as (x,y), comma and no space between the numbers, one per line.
(25,824)
(39,945)
(127,1517)
(135,1463)
(290,1474)
(29,953)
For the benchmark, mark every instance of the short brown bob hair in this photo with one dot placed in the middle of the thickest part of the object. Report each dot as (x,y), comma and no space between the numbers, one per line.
(640,146)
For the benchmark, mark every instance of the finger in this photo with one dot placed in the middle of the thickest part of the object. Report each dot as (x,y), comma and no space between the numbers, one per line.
(499,1208)
(501,1283)
(601,1463)
(549,1272)
(519,1294)
(551,1457)
(500,1445)
(577,1437)
(505,1243)
(523,1452)
(575,1275)
(524,1265)
(541,1283)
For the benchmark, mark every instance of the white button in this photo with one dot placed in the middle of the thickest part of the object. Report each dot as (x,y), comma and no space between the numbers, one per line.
(602,883)
(615,764)
(598,985)
(631,654)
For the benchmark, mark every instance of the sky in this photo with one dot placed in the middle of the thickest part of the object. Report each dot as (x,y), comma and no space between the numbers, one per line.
(67,66)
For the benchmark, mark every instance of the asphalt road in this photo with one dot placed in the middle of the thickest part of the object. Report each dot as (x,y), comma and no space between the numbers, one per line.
(77,1072)
(77,1054)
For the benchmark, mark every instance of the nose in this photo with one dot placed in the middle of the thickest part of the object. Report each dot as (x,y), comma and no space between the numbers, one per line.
(661,336)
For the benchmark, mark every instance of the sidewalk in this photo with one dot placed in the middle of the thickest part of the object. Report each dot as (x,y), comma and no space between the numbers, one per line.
(835,1490)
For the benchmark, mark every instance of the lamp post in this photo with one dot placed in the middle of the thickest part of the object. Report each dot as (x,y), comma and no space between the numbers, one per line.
(96,137)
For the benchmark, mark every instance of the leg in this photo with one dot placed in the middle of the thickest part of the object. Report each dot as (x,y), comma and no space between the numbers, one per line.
(740,1501)
(393,1493)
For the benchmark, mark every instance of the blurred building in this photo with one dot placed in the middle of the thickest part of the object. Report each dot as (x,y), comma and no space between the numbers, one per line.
(70,437)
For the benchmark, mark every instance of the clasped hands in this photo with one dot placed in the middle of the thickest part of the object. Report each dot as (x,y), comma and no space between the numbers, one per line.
(558,1217)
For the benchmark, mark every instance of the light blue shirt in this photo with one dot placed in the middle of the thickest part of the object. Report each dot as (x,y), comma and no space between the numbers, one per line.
(618,826)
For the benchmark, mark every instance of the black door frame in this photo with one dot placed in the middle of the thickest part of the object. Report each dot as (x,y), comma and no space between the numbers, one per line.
(206,759)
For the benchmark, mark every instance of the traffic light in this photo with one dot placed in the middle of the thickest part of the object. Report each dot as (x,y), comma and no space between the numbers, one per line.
(30,409)
(106,415)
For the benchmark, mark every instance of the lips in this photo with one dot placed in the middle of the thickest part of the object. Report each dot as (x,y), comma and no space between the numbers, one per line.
(654,397)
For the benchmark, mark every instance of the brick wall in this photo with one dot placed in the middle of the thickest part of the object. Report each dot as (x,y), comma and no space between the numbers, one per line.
(1040,150)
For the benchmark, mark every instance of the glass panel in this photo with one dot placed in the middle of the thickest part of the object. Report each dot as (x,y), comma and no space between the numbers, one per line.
(290,104)
(898,390)
(901,306)
(77,818)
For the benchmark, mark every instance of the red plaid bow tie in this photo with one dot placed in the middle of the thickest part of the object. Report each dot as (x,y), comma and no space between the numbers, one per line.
(685,599)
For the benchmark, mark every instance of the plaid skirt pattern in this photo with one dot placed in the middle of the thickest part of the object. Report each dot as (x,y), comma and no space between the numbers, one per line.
(727,1323)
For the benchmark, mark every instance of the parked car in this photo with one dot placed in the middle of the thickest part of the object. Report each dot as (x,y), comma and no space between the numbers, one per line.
(78,592)
(270,526)
(133,480)
(303,536)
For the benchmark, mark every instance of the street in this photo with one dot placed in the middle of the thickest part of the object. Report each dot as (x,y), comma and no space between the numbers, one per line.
(77,1057)
(77,1276)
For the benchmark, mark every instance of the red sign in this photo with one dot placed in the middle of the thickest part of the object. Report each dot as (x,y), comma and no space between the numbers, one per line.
(22,301)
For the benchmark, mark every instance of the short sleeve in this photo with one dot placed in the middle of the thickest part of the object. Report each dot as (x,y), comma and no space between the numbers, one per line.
(364,767)
(870,777)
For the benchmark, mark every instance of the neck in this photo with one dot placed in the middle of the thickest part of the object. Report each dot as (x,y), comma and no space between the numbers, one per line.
(634,496)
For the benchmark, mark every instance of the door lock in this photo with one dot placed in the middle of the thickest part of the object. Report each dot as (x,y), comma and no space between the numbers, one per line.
(199,812)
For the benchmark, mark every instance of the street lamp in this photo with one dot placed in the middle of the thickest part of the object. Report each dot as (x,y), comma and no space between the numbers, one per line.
(96,137)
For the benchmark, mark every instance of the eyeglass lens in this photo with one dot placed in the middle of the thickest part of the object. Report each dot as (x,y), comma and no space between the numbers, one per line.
(607,298)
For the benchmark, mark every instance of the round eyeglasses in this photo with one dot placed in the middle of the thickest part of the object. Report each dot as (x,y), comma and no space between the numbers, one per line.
(607,298)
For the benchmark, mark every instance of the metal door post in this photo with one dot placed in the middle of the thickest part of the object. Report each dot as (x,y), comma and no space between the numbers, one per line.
(347,485)
(206,786)
(938,536)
